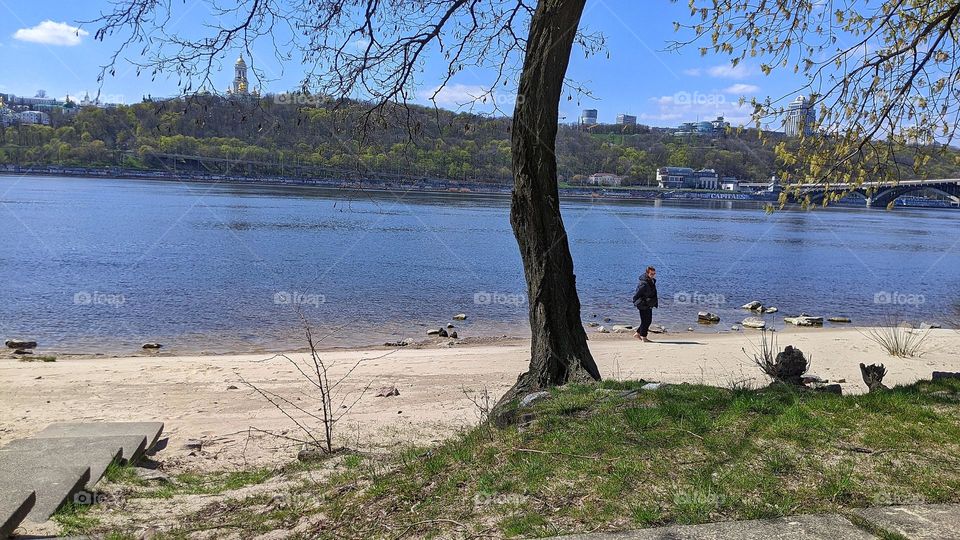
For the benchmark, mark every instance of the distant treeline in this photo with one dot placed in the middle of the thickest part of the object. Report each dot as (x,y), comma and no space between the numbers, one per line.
(281,136)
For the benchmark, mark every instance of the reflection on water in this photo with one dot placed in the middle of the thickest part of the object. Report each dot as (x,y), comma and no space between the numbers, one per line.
(104,265)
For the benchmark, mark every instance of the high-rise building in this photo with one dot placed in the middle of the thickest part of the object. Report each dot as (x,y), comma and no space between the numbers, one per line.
(588,117)
(626,120)
(800,117)
(240,84)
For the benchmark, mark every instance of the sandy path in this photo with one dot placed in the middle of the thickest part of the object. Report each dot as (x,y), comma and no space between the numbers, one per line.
(191,394)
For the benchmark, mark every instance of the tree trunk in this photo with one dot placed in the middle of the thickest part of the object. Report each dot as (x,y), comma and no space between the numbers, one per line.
(559,352)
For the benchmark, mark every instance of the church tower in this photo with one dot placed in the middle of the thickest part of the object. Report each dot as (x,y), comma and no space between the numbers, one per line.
(240,85)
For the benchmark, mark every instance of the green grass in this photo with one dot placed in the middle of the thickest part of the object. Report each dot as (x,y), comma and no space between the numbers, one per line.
(597,460)
(201,484)
(680,454)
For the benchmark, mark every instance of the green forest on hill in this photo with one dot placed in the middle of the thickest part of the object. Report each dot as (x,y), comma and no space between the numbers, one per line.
(279,136)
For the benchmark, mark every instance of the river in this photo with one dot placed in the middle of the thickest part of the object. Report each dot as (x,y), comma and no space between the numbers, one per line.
(103,265)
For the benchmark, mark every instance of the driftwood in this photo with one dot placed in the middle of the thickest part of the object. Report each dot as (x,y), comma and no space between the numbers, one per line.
(873,376)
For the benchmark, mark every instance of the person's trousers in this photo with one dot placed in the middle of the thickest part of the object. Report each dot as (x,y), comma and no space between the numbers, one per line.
(646,317)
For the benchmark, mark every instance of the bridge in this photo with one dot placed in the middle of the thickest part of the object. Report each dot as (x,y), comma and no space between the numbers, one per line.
(881,194)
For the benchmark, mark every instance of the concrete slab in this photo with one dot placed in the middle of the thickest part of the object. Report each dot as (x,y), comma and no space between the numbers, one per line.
(820,527)
(15,504)
(920,522)
(95,452)
(149,430)
(53,485)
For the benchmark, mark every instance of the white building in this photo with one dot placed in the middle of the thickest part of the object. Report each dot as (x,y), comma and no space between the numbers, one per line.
(800,118)
(687,178)
(605,179)
(34,117)
(626,120)
(729,183)
(589,117)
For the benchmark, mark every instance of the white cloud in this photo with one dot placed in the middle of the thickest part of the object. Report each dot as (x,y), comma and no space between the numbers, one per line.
(686,106)
(741,88)
(52,33)
(729,71)
(693,72)
(454,96)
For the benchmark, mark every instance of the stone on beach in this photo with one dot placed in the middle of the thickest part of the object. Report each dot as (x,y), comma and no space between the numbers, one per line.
(388,391)
(621,328)
(770,309)
(752,306)
(20,344)
(804,320)
(151,345)
(708,317)
(460,317)
(602,330)
(754,322)
(838,319)
(658,329)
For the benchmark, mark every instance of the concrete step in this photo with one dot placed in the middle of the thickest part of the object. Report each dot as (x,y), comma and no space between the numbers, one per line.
(54,485)
(917,522)
(95,452)
(148,430)
(15,504)
(818,527)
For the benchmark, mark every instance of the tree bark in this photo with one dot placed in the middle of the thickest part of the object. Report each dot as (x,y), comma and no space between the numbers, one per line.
(559,352)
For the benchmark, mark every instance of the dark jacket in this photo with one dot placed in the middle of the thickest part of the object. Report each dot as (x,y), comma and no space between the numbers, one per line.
(646,293)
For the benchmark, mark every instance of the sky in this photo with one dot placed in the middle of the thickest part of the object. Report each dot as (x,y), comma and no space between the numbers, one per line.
(45,45)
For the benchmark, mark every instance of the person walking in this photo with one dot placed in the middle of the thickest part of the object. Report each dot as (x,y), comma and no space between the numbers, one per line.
(645,299)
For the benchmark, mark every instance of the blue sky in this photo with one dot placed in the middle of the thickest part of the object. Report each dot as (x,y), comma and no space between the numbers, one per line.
(40,50)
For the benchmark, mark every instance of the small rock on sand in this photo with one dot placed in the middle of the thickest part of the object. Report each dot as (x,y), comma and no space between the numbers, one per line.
(388,391)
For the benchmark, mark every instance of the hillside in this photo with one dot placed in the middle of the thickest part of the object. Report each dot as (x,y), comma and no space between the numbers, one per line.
(277,135)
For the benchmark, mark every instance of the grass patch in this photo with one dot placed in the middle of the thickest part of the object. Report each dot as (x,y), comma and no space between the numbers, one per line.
(609,457)
(191,483)
(75,519)
(596,459)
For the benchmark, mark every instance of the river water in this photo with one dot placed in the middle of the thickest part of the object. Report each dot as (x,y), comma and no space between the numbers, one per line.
(103,265)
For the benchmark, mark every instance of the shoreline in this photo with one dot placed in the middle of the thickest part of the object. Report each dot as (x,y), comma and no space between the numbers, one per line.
(435,186)
(207,397)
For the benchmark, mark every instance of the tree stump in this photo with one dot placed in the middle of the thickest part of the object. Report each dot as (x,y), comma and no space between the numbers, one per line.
(873,376)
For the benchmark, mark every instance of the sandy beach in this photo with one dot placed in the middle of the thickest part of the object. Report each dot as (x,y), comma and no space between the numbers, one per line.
(206,398)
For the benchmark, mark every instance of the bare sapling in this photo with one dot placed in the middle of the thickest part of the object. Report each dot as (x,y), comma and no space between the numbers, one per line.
(323,403)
